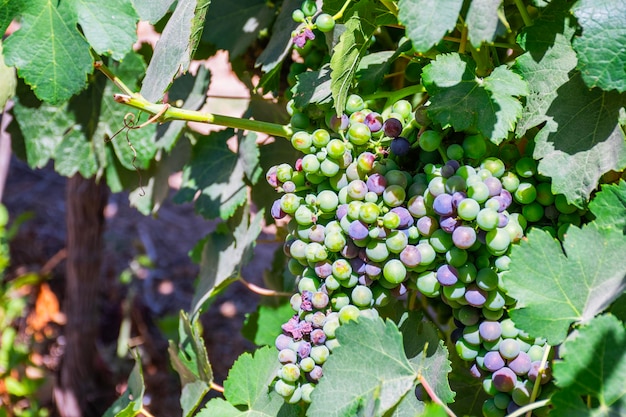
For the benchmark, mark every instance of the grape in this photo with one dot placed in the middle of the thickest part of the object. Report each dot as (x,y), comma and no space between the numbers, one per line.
(329,168)
(427,253)
(471,335)
(467,273)
(369,212)
(491,410)
(487,279)
(509,349)
(358,230)
(354,103)
(430,140)
(315,374)
(449,224)
(504,379)
(325,22)
(525,193)
(466,351)
(394,195)
(441,241)
(323,269)
(392,128)
(394,271)
(493,361)
(494,185)
(468,209)
(362,296)
(468,315)
(498,241)
(521,393)
(327,201)
(490,330)
(377,251)
(454,292)
(463,237)
(348,313)
(396,241)
(428,284)
(287,355)
(560,201)
(474,146)
(443,205)
(526,167)
(374,121)
(290,372)
(376,183)
(307,364)
(416,206)
(455,256)
(297,16)
(447,275)
(478,191)
(521,364)
(534,372)
(400,146)
(283,388)
(455,151)
(359,133)
(319,300)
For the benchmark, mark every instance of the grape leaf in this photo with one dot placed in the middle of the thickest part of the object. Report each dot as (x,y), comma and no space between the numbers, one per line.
(262,326)
(281,40)
(49,52)
(593,364)
(223,253)
(482,21)
(74,154)
(246,389)
(382,375)
(462,100)
(313,87)
(130,403)
(600,48)
(152,11)
(9,10)
(8,81)
(352,46)
(190,360)
(110,27)
(246,18)
(373,67)
(581,139)
(409,406)
(427,21)
(173,51)
(609,206)
(555,289)
(218,173)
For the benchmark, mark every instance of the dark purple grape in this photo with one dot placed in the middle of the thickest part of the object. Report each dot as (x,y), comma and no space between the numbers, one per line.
(492,361)
(449,223)
(447,275)
(443,205)
(365,280)
(521,364)
(475,296)
(447,171)
(358,265)
(392,127)
(400,146)
(504,379)
(456,335)
(374,121)
(410,256)
(276,211)
(406,220)
(454,164)
(490,330)
(376,183)
(358,230)
(339,124)
(318,337)
(349,251)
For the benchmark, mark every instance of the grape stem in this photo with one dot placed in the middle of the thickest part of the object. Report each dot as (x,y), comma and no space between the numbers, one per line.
(216,387)
(340,13)
(529,408)
(145,412)
(540,372)
(391,6)
(523,12)
(165,112)
(263,291)
(432,393)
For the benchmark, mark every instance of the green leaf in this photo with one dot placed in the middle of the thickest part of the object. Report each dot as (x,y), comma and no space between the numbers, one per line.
(110,27)
(600,48)
(581,139)
(9,10)
(427,21)
(374,66)
(74,154)
(555,289)
(409,406)
(352,46)
(371,356)
(262,326)
(49,52)
(281,40)
(547,64)
(130,403)
(609,206)
(218,173)
(190,359)
(8,81)
(223,255)
(173,52)
(249,153)
(593,363)
(245,18)
(246,389)
(433,410)
(464,101)
(153,10)
(482,21)
(313,87)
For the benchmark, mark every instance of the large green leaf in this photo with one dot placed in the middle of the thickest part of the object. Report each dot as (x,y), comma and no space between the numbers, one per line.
(262,326)
(482,21)
(49,52)
(427,21)
(555,289)
(593,363)
(352,46)
(222,255)
(600,48)
(245,18)
(130,403)
(152,10)
(190,359)
(609,206)
(313,87)
(464,101)
(247,392)
(9,10)
(8,81)
(173,52)
(281,40)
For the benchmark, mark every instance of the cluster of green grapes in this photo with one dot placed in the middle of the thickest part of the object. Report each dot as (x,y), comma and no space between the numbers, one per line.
(366,227)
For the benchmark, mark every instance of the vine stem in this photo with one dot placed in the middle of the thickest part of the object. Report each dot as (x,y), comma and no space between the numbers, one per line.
(523,12)
(216,387)
(433,395)
(540,372)
(529,408)
(391,6)
(263,291)
(165,112)
(340,13)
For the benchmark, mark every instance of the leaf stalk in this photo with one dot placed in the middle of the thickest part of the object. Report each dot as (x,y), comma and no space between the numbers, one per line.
(523,12)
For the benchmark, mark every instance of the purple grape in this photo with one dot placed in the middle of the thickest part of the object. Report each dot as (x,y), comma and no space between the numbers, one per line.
(392,127)
(276,211)
(427,225)
(476,372)
(317,320)
(406,220)
(506,197)
(503,220)
(447,275)
(416,206)
(324,269)
(463,237)
(296,328)
(447,171)
(492,361)
(521,364)
(509,348)
(449,223)
(400,146)
(318,337)
(410,256)
(490,330)
(289,187)
(512,407)
(304,348)
(494,185)
(342,210)
(349,251)
(282,341)
(457,197)
(339,124)
(374,121)
(270,177)
(319,300)
(358,230)
(504,379)
(475,296)
(372,269)
(315,374)
(454,164)
(443,205)
(365,280)
(316,233)
(534,371)
(358,265)
(376,183)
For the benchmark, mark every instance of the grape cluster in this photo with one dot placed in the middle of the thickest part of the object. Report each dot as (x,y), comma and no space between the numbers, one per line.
(365,229)
(310,19)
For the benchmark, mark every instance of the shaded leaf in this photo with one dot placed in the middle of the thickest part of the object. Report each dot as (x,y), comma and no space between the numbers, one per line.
(482,21)
(554,289)
(313,87)
(153,10)
(130,403)
(427,21)
(609,206)
(281,41)
(8,81)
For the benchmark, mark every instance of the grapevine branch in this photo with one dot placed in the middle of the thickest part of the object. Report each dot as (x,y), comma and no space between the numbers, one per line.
(433,395)
(162,113)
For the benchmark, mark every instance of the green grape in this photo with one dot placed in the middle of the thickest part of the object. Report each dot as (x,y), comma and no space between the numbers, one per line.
(304,215)
(394,271)
(510,182)
(336,148)
(359,133)
(369,212)
(526,167)
(391,220)
(325,22)
(525,193)
(403,108)
(349,313)
(335,241)
(467,273)
(494,165)
(441,241)
(297,16)
(354,103)
(428,284)
(302,141)
(456,257)
(319,354)
(283,388)
(327,201)
(430,140)
(299,121)
(491,410)
(487,219)
(560,201)
(329,168)
(309,8)
(427,253)
(474,146)
(455,151)
(533,212)
(396,241)
(377,251)
(455,291)
(289,203)
(290,372)
(466,351)
(498,241)
(487,279)
(310,164)
(544,194)
(478,191)
(394,195)
(362,296)
(468,209)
